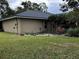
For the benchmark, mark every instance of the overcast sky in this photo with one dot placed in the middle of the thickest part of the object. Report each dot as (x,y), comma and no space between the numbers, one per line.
(53,5)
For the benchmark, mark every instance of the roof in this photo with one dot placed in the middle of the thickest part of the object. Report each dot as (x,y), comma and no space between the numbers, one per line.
(31,15)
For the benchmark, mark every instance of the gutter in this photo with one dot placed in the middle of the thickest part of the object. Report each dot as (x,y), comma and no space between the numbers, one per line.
(23,17)
(8,18)
(17,25)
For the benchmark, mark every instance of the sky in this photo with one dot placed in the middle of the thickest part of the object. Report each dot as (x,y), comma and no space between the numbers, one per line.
(53,5)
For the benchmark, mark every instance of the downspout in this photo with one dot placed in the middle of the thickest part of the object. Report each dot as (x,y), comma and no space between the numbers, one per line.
(17,25)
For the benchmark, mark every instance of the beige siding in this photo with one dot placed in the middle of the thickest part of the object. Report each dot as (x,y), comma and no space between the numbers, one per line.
(11,26)
(31,26)
(22,26)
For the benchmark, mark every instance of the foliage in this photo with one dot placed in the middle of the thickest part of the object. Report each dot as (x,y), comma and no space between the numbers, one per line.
(70,4)
(58,17)
(19,9)
(73,32)
(5,10)
(38,47)
(73,17)
(28,5)
(35,6)
(52,17)
(43,7)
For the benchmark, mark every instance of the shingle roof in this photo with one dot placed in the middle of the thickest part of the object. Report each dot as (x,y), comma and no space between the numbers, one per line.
(31,15)
(34,14)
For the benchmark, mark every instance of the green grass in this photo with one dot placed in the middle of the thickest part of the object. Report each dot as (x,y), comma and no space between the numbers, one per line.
(38,47)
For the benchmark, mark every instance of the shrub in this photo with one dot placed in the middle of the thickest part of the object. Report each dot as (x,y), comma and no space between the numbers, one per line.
(73,32)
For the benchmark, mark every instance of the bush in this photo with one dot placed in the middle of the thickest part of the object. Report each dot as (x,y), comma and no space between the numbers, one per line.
(73,32)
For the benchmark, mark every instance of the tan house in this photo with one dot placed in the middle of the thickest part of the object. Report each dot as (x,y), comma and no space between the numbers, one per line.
(26,22)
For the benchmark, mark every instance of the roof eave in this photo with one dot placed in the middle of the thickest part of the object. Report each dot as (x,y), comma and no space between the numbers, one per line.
(23,17)
(33,17)
(8,18)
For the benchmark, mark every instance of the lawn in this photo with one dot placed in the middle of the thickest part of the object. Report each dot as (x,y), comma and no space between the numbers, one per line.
(13,46)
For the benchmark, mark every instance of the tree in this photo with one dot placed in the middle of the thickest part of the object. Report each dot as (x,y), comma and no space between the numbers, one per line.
(70,4)
(9,12)
(58,20)
(35,6)
(43,7)
(27,5)
(73,15)
(3,7)
(19,9)
(5,10)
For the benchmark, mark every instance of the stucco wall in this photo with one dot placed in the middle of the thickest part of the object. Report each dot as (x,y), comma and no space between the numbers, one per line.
(32,26)
(22,26)
(11,26)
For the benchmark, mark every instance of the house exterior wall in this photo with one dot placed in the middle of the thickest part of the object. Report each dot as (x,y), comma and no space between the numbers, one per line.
(11,26)
(32,26)
(22,26)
